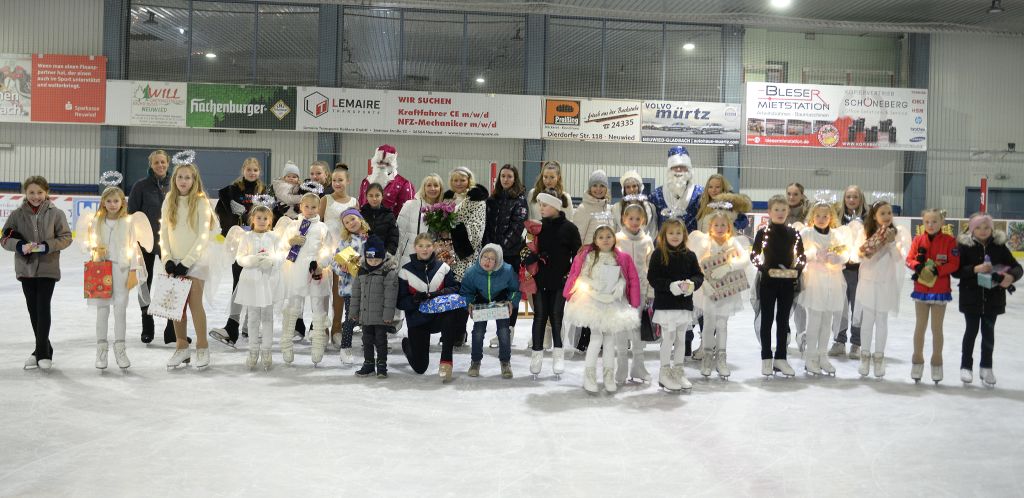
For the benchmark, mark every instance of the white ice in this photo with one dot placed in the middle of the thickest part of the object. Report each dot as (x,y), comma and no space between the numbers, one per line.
(230,432)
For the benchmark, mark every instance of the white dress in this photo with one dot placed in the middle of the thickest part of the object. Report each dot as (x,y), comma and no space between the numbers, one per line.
(705,248)
(257,286)
(599,298)
(880,283)
(639,247)
(824,288)
(296,277)
(332,214)
(118,237)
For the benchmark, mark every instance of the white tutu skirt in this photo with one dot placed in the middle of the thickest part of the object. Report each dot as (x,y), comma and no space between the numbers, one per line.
(119,274)
(673,319)
(297,281)
(259,288)
(614,317)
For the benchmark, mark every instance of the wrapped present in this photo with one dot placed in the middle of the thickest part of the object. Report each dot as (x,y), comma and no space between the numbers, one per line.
(783,273)
(992,280)
(99,280)
(731,284)
(490,311)
(348,258)
(441,304)
(928,278)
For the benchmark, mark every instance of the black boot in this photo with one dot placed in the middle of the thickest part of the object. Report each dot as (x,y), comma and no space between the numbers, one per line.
(689,343)
(382,370)
(366,370)
(147,326)
(169,337)
(584,340)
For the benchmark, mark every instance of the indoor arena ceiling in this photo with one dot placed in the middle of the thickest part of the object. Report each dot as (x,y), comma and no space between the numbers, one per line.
(802,15)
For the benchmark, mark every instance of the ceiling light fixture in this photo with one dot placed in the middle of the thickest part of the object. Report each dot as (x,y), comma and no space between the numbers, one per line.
(480,80)
(211,55)
(781,4)
(689,46)
(181,30)
(996,8)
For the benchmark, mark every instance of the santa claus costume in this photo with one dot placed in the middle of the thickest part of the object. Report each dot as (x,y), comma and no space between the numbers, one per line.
(397,190)
(679,197)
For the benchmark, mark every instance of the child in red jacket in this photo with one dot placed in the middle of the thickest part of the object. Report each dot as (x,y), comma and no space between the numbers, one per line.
(934,257)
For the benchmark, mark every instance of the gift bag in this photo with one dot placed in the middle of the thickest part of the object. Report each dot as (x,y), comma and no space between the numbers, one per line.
(441,304)
(649,331)
(168,296)
(99,280)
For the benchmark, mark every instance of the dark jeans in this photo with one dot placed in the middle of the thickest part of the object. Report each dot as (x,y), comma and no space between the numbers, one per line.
(38,293)
(775,293)
(417,346)
(987,323)
(851,276)
(548,305)
(504,340)
(375,336)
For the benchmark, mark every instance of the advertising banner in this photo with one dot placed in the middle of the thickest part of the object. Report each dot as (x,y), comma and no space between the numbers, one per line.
(846,117)
(705,123)
(69,88)
(146,103)
(247,107)
(344,110)
(15,87)
(592,120)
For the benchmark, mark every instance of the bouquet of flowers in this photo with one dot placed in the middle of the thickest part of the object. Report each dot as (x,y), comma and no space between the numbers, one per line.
(440,217)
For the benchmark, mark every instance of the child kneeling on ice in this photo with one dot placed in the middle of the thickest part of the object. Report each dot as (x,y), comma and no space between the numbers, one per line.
(374,296)
(602,293)
(491,280)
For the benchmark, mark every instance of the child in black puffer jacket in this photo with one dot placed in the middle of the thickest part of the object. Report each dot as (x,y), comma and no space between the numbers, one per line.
(381,219)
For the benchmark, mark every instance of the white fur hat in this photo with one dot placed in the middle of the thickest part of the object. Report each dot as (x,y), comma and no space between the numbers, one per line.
(291,168)
(550,200)
(678,156)
(631,175)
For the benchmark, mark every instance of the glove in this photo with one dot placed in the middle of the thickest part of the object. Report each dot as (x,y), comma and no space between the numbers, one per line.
(720,272)
(181,270)
(266,263)
(419,297)
(297,240)
(531,259)
(170,267)
(314,270)
(237,208)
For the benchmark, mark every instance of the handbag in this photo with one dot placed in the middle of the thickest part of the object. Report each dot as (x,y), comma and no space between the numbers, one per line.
(441,304)
(649,331)
(168,296)
(460,241)
(99,280)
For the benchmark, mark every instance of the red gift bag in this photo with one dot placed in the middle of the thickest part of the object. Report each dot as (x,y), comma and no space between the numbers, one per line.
(99,280)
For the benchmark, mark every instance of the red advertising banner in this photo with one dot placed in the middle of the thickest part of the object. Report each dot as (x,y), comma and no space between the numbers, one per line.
(69,88)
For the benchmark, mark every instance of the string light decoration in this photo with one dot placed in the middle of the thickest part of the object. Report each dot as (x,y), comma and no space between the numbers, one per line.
(638,198)
(265,200)
(721,206)
(184,157)
(799,260)
(111,178)
(825,197)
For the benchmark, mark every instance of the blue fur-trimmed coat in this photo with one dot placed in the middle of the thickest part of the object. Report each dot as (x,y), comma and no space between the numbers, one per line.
(689,218)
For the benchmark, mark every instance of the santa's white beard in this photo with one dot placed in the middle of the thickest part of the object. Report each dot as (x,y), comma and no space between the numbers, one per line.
(382,175)
(677,186)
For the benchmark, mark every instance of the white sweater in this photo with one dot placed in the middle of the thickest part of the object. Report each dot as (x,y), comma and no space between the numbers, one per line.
(184,243)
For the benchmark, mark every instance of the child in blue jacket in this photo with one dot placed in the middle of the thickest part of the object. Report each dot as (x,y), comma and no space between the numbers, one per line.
(491,280)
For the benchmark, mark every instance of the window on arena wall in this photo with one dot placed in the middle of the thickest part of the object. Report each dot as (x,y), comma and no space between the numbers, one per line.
(831,59)
(694,74)
(432,49)
(286,45)
(226,30)
(573,58)
(496,54)
(370,48)
(634,51)
(158,40)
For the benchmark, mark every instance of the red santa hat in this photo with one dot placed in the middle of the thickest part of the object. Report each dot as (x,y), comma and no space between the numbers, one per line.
(386,154)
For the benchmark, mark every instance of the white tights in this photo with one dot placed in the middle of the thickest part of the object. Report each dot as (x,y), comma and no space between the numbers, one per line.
(876,322)
(670,338)
(261,326)
(597,339)
(819,330)
(715,333)
(103,321)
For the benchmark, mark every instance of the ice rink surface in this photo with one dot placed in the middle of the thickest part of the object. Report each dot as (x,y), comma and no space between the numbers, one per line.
(293,431)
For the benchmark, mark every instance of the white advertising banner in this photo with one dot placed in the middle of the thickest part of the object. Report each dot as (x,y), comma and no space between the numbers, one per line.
(15,87)
(704,123)
(146,103)
(345,110)
(845,117)
(592,120)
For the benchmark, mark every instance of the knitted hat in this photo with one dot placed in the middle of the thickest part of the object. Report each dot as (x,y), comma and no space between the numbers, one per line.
(374,248)
(550,200)
(351,211)
(598,177)
(631,176)
(678,156)
(386,154)
(291,169)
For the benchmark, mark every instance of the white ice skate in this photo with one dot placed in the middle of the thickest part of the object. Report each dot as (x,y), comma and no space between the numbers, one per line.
(346,356)
(854,352)
(916,372)
(121,356)
(266,358)
(45,364)
(721,365)
(937,374)
(220,335)
(202,358)
(101,355)
(31,363)
(782,366)
(879,365)
(966,376)
(287,338)
(680,375)
(558,361)
(590,379)
(988,377)
(812,366)
(637,371)
(318,339)
(667,380)
(253,358)
(837,349)
(536,359)
(766,368)
(826,365)
(865,364)
(180,356)
(698,354)
(609,381)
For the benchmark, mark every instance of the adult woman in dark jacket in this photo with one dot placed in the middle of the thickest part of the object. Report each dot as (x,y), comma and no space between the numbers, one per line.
(506,212)
(147,195)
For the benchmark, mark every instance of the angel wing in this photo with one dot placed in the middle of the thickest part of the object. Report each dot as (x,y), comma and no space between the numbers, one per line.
(857,239)
(903,241)
(143,230)
(698,242)
(233,239)
(83,231)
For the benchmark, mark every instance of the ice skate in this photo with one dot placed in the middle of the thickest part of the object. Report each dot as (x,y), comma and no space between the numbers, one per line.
(382,370)
(679,373)
(536,358)
(346,356)
(180,356)
(474,369)
(287,338)
(837,349)
(31,363)
(45,364)
(698,354)
(101,355)
(253,358)
(916,372)
(621,366)
(721,366)
(318,339)
(766,368)
(966,376)
(266,358)
(445,372)
(879,365)
(506,370)
(221,335)
(865,365)
(705,364)
(336,340)
(826,365)
(202,358)
(558,361)
(937,374)
(667,380)
(637,371)
(609,381)
(782,366)
(590,380)
(121,356)
(366,370)
(854,352)
(987,377)
(812,366)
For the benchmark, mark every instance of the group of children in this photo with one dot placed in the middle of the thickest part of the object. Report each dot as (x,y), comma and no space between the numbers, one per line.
(617,283)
